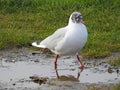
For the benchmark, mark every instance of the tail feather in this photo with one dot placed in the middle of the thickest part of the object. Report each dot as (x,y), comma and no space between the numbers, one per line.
(36,44)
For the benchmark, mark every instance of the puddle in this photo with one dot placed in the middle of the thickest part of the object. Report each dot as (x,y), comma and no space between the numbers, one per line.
(92,74)
(16,70)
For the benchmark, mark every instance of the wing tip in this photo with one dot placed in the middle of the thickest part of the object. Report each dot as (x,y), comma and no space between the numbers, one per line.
(36,44)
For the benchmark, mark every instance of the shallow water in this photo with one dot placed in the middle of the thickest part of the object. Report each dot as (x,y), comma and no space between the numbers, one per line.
(44,68)
(16,69)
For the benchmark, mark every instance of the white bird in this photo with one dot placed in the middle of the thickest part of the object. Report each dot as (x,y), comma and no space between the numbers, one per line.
(68,40)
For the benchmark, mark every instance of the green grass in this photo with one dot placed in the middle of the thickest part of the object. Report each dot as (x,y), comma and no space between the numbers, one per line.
(115,62)
(116,87)
(24,21)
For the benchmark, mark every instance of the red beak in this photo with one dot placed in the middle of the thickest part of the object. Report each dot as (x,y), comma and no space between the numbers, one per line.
(81,21)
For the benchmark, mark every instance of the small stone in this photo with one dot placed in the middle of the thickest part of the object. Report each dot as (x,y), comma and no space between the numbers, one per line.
(117,71)
(13,84)
(36,60)
(110,70)
(13,61)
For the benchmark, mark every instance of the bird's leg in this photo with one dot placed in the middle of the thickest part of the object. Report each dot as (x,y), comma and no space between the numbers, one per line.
(82,66)
(57,73)
(55,62)
(78,75)
(55,65)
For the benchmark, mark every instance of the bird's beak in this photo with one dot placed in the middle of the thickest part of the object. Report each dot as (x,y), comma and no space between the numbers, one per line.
(81,21)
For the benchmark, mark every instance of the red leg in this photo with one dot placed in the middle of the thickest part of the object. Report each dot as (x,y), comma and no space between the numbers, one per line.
(55,62)
(78,75)
(57,73)
(82,65)
(55,65)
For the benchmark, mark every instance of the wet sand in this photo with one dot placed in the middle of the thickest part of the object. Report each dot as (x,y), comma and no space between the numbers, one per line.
(25,69)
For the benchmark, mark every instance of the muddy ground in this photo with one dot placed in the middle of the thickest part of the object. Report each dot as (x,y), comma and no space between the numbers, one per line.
(25,69)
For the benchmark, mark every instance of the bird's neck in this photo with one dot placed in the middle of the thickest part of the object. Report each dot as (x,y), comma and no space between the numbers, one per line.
(71,24)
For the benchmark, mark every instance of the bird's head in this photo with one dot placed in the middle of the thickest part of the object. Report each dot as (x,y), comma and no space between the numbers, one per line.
(76,17)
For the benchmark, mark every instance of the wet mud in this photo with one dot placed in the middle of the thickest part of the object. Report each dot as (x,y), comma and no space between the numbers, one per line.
(25,69)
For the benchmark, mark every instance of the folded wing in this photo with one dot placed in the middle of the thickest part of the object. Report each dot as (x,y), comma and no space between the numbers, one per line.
(51,41)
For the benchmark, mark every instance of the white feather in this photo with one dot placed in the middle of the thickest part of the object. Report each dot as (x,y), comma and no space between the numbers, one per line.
(38,45)
(67,40)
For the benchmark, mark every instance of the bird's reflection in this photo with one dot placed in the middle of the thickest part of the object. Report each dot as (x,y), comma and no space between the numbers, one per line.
(70,77)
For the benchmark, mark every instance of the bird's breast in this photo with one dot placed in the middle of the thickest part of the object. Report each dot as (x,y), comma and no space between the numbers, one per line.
(73,41)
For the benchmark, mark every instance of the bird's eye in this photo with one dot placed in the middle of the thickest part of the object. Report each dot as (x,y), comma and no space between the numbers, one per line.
(80,16)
